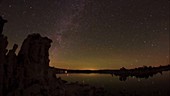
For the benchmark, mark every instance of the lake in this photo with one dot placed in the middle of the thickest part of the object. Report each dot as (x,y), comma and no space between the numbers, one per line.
(158,85)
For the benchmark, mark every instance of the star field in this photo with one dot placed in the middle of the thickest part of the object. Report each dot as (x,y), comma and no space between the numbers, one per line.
(93,34)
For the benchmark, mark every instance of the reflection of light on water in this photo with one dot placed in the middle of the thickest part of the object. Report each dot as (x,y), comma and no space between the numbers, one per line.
(73,75)
(80,75)
(140,85)
(90,74)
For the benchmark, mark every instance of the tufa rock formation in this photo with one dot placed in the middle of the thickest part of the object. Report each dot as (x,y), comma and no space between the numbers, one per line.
(10,67)
(29,74)
(33,57)
(2,22)
(3,51)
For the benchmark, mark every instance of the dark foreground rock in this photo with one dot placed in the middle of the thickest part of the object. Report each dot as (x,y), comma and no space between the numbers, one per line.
(29,74)
(3,51)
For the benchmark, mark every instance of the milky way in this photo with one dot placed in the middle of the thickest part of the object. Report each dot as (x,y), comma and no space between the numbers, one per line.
(93,33)
(66,20)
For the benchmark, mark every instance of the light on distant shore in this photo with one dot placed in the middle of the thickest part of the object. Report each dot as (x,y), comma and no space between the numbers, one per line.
(65,72)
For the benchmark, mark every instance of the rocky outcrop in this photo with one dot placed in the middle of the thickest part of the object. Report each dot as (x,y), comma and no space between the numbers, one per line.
(33,58)
(3,50)
(29,74)
(10,67)
(2,22)
(31,67)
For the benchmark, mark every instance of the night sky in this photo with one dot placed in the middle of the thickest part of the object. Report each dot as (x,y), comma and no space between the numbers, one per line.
(93,34)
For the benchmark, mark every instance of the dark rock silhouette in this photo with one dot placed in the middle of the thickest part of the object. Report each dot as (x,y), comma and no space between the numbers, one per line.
(29,74)
(32,64)
(3,51)
(33,57)
(10,67)
(2,22)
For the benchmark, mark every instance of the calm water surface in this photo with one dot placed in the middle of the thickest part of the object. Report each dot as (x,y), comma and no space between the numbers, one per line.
(158,85)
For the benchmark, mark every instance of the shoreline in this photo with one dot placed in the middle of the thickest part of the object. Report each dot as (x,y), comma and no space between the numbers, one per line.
(123,73)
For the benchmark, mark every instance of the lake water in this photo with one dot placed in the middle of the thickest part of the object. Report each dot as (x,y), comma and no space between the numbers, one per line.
(158,85)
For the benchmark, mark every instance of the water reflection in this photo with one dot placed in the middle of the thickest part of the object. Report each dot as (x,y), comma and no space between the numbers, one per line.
(141,72)
(142,81)
(158,85)
(123,73)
